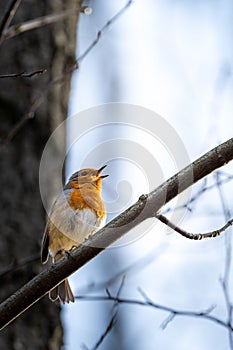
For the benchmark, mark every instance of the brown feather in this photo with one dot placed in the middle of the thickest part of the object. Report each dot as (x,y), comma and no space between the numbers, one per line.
(77,213)
(62,293)
(45,245)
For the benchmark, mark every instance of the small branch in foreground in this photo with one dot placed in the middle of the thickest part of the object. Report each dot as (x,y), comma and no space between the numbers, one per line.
(146,207)
(24,74)
(195,236)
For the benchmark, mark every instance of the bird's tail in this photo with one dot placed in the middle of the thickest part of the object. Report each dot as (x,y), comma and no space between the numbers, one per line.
(62,293)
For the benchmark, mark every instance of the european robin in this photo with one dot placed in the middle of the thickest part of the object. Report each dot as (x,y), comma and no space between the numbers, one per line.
(77,213)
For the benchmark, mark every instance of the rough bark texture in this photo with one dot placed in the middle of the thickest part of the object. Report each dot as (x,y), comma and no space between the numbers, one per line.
(22,216)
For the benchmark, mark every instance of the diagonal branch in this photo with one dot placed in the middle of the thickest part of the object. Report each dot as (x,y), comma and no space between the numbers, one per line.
(24,74)
(195,236)
(147,302)
(103,30)
(99,35)
(8,17)
(225,281)
(60,79)
(39,22)
(107,330)
(146,207)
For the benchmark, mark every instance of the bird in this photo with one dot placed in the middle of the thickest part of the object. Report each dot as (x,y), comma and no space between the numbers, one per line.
(77,213)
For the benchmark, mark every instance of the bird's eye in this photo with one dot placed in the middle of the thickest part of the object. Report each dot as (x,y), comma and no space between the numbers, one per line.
(84,173)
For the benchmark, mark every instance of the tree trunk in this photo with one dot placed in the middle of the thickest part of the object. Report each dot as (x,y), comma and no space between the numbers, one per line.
(22,218)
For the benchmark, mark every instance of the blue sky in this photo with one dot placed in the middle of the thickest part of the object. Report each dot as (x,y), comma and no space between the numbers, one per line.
(174,59)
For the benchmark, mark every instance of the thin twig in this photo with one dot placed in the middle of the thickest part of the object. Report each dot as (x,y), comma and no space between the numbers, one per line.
(195,236)
(84,347)
(168,320)
(8,17)
(225,178)
(24,74)
(114,315)
(99,35)
(149,303)
(121,286)
(104,29)
(109,327)
(39,22)
(228,260)
(38,101)
(173,314)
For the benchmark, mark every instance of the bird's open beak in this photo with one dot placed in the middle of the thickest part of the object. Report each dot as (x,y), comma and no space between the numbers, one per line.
(99,171)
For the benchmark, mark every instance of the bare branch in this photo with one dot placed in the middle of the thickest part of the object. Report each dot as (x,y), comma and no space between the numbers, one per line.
(146,207)
(40,22)
(39,100)
(84,347)
(225,178)
(228,261)
(149,303)
(121,286)
(103,30)
(8,17)
(195,236)
(24,74)
(175,313)
(113,318)
(99,35)
(167,320)
(109,327)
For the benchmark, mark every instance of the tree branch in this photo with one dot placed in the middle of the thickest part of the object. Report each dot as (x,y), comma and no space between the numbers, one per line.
(205,187)
(103,29)
(40,22)
(24,74)
(60,79)
(8,17)
(195,236)
(107,330)
(225,281)
(146,207)
(147,302)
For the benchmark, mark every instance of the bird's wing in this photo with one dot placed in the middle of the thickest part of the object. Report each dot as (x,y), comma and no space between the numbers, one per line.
(45,244)
(45,238)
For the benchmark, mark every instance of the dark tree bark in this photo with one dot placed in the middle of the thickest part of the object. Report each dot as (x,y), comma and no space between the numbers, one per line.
(22,216)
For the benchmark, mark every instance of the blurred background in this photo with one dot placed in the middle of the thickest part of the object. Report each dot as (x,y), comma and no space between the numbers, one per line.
(173,58)
(153,93)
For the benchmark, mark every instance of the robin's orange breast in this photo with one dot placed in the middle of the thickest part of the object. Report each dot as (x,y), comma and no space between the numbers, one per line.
(87,197)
